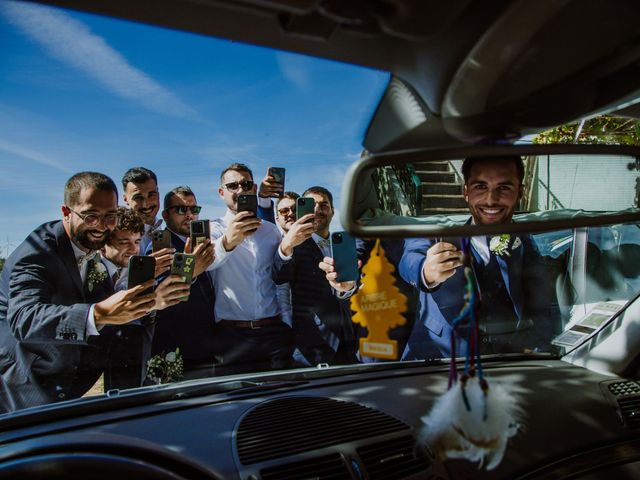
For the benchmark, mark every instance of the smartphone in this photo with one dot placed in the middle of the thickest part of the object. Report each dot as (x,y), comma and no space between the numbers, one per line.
(248,203)
(304,205)
(199,231)
(183,265)
(278,175)
(160,239)
(141,269)
(345,256)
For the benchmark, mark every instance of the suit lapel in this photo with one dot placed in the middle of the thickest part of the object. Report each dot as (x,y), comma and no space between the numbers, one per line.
(65,251)
(511,270)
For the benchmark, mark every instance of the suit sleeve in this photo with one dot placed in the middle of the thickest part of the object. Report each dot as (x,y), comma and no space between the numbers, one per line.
(413,257)
(283,269)
(266,213)
(33,314)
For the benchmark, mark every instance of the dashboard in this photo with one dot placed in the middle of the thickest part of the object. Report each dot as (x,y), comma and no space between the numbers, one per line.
(354,425)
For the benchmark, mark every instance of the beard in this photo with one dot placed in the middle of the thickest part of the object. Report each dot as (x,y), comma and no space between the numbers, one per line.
(83,239)
(320,223)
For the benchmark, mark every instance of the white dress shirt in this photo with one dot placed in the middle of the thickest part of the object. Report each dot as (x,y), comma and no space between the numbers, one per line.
(242,278)
(82,267)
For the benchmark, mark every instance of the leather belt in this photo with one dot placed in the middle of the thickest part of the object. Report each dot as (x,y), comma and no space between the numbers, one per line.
(254,324)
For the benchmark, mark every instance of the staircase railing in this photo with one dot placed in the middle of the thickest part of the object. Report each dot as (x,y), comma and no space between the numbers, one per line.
(399,190)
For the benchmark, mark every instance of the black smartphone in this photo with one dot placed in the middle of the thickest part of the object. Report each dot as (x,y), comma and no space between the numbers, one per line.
(278,175)
(345,256)
(141,269)
(199,231)
(248,203)
(160,239)
(304,206)
(183,265)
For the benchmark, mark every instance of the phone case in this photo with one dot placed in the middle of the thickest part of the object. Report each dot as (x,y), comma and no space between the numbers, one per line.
(183,265)
(199,230)
(160,239)
(278,174)
(141,269)
(345,256)
(248,203)
(304,205)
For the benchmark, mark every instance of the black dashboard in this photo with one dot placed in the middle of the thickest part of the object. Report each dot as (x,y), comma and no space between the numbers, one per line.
(354,425)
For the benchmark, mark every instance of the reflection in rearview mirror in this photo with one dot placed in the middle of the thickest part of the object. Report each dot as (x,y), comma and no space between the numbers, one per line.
(496,189)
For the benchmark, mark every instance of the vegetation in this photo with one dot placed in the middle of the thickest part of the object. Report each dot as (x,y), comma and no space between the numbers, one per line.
(604,129)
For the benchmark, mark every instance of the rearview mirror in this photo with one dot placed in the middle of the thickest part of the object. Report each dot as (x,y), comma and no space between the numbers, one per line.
(429,193)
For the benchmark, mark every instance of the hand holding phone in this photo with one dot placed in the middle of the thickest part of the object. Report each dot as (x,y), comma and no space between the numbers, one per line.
(345,257)
(278,174)
(141,269)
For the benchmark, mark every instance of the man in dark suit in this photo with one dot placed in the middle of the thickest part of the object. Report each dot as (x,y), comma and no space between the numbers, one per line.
(322,327)
(55,300)
(516,284)
(190,325)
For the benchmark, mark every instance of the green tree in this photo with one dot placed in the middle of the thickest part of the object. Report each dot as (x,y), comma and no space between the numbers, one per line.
(604,129)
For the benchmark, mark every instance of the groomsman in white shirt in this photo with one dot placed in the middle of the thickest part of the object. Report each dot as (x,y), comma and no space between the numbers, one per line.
(251,333)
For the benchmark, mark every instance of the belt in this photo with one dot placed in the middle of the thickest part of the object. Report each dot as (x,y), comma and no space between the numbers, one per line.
(254,324)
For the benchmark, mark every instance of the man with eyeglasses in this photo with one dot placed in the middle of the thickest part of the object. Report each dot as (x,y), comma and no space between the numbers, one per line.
(141,194)
(189,325)
(56,303)
(251,335)
(286,211)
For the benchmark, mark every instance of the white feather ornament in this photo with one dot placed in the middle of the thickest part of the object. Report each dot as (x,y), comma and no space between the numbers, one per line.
(479,432)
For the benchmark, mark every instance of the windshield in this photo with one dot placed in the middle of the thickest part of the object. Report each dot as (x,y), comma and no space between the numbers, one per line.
(170,213)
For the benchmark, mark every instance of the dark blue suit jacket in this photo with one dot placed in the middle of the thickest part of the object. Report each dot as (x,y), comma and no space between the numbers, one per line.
(315,306)
(528,279)
(188,325)
(45,353)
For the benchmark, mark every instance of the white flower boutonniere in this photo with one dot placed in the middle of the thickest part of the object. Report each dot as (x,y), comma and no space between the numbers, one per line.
(499,245)
(96,275)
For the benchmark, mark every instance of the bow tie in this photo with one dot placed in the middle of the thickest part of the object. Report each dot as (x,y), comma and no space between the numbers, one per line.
(83,259)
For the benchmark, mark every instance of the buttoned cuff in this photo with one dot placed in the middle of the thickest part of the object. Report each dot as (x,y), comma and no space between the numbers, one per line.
(347,294)
(429,286)
(284,257)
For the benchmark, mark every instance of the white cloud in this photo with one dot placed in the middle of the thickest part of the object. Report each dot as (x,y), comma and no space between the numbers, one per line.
(32,155)
(296,69)
(71,42)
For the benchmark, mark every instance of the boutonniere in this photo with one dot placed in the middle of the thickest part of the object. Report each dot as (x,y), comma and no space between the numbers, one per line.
(165,368)
(96,275)
(499,245)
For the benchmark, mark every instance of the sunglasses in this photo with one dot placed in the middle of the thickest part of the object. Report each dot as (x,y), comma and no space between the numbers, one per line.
(286,210)
(182,209)
(233,186)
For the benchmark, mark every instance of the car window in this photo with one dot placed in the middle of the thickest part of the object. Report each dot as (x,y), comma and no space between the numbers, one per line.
(120,141)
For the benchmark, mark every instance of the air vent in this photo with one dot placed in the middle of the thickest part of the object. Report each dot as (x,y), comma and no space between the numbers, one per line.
(291,425)
(393,459)
(630,410)
(329,467)
(620,389)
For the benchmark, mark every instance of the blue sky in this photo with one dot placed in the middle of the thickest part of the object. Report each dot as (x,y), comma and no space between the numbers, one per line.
(79,92)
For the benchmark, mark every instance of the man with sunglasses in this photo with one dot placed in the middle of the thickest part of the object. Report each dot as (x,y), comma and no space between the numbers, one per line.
(188,325)
(251,335)
(286,211)
(56,304)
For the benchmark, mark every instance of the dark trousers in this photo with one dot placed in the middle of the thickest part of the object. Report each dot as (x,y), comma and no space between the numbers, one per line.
(246,350)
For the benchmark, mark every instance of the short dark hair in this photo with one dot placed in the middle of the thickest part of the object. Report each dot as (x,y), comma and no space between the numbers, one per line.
(320,191)
(138,175)
(129,220)
(181,190)
(471,161)
(84,180)
(289,195)
(238,167)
